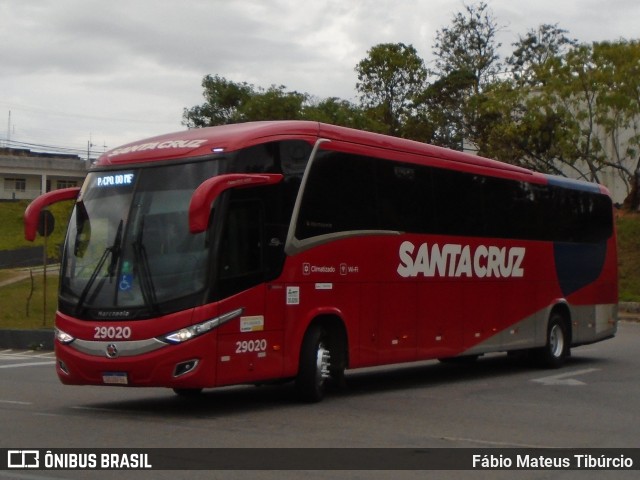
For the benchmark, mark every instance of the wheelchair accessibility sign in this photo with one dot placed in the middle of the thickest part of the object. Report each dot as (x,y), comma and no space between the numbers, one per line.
(126,282)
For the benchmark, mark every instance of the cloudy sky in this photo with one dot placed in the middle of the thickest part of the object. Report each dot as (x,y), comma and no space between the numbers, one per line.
(116,71)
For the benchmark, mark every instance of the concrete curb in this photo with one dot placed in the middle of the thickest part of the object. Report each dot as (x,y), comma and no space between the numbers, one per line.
(629,307)
(41,339)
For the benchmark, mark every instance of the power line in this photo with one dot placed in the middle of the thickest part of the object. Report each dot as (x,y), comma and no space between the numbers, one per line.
(44,148)
(80,116)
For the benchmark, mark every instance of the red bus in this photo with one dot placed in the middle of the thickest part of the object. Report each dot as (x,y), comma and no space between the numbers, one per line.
(295,250)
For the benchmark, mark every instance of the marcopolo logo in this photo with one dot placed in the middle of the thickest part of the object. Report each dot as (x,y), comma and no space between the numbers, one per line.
(453,260)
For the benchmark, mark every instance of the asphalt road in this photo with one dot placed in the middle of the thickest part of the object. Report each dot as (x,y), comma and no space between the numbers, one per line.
(498,402)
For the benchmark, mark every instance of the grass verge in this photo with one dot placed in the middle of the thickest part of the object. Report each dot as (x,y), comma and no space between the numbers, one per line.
(22,305)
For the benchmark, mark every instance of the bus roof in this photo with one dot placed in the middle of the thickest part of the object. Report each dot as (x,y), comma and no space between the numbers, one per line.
(204,141)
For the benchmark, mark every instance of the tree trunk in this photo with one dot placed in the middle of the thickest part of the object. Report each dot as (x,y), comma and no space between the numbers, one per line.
(632,202)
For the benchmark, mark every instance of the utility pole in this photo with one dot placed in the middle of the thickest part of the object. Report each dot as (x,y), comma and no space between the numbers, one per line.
(89,145)
(9,130)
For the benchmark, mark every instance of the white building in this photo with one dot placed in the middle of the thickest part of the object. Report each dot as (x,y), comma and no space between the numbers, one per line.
(25,174)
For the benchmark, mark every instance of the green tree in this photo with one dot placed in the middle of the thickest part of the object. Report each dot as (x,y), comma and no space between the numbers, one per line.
(618,110)
(519,126)
(470,44)
(224,101)
(230,102)
(576,88)
(439,117)
(576,113)
(533,52)
(389,80)
(547,122)
(274,103)
(466,61)
(339,112)
(519,119)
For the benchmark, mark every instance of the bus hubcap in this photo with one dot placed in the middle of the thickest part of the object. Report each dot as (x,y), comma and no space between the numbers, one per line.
(556,341)
(322,363)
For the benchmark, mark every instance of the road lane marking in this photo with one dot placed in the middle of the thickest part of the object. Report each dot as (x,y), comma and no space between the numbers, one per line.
(16,357)
(30,364)
(16,402)
(13,356)
(493,443)
(565,378)
(93,409)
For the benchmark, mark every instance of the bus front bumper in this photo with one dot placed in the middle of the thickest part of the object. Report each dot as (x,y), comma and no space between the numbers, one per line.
(148,363)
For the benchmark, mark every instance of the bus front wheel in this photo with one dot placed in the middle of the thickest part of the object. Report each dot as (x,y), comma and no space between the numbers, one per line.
(313,371)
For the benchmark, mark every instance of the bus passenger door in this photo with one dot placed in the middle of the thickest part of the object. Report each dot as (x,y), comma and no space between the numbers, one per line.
(249,348)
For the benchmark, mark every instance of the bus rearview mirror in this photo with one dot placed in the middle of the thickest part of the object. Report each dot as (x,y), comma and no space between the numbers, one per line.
(32,213)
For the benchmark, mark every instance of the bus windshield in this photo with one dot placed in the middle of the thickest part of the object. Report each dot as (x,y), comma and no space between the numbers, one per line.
(129,252)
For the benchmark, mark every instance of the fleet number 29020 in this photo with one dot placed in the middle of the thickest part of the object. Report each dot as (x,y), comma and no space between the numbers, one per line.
(112,333)
(248,346)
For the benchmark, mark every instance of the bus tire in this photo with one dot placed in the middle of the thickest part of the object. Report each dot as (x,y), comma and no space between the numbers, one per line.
(556,349)
(313,370)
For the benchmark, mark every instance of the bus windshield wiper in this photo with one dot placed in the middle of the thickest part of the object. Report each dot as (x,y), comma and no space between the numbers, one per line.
(114,250)
(146,279)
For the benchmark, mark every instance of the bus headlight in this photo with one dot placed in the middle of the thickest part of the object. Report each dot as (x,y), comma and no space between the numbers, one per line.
(193,331)
(63,337)
(181,335)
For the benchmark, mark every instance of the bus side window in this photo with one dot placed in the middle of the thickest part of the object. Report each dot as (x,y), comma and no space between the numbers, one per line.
(339,196)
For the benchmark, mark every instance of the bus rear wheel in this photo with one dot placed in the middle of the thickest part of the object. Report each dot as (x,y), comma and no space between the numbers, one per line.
(556,350)
(313,371)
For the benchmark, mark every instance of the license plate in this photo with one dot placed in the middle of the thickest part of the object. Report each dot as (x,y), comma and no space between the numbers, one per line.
(115,378)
